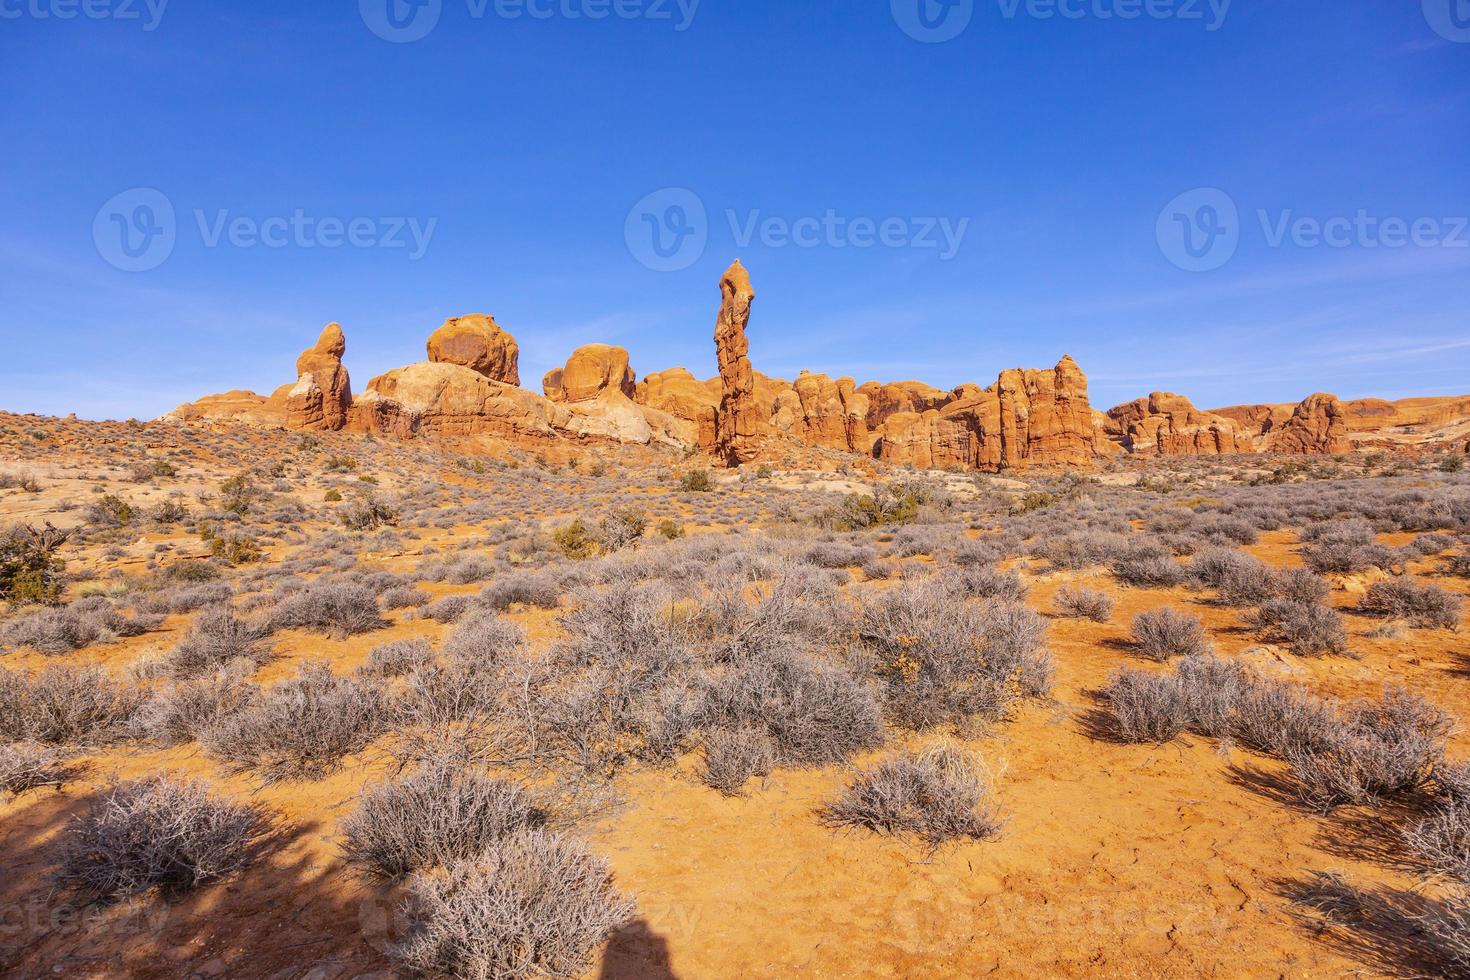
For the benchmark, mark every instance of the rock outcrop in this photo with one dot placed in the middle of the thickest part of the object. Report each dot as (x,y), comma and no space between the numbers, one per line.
(1317,426)
(683,396)
(738,424)
(478,343)
(470,389)
(590,371)
(1027,418)
(822,412)
(322,396)
(1166,424)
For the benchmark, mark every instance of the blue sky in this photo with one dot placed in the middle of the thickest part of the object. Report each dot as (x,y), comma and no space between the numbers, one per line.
(1061,153)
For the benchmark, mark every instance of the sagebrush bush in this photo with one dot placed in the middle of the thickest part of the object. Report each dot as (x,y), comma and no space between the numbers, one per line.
(27,765)
(1146,707)
(942,659)
(1442,840)
(437,815)
(1163,633)
(939,794)
(1310,629)
(1379,749)
(814,713)
(1074,602)
(334,608)
(533,905)
(66,704)
(484,638)
(161,832)
(1420,604)
(178,713)
(397,658)
(300,728)
(215,638)
(733,756)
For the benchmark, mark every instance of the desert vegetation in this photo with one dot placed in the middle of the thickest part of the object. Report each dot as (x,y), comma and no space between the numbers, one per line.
(531,708)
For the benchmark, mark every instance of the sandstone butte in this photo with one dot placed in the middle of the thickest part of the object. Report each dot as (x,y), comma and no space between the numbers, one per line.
(468,394)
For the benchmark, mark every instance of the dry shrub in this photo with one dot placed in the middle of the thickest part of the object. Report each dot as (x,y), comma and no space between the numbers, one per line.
(435,816)
(1073,602)
(397,658)
(939,794)
(484,638)
(1380,748)
(943,660)
(160,832)
(180,712)
(1146,707)
(1422,605)
(66,704)
(1310,629)
(300,728)
(733,756)
(215,638)
(335,609)
(1442,841)
(27,765)
(814,713)
(1163,633)
(533,905)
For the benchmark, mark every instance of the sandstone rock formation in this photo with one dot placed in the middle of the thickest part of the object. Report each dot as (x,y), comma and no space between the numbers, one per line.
(683,396)
(589,372)
(1027,418)
(478,343)
(322,395)
(241,407)
(823,412)
(738,425)
(469,390)
(1318,425)
(1166,424)
(442,399)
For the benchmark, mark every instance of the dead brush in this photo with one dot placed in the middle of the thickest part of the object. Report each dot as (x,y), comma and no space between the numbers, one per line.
(1073,602)
(939,795)
(26,766)
(161,832)
(733,757)
(301,728)
(535,904)
(439,814)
